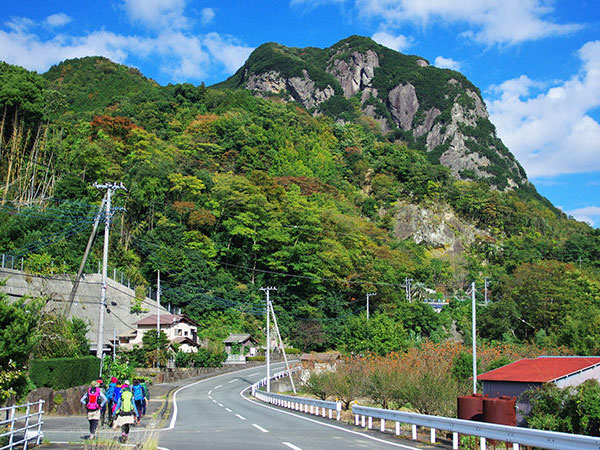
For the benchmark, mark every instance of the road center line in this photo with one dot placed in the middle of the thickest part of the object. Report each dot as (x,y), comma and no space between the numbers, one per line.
(258,427)
(232,381)
(214,401)
(254,374)
(227,409)
(220,404)
(219,386)
(240,417)
(292,446)
(209,392)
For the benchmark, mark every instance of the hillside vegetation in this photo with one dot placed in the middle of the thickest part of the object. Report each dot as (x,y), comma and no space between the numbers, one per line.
(228,192)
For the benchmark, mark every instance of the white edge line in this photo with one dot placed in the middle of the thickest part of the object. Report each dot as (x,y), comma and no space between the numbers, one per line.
(174,418)
(292,446)
(373,438)
(258,427)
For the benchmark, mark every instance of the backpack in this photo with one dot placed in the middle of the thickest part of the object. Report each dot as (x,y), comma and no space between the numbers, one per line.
(92,404)
(126,402)
(138,391)
(116,394)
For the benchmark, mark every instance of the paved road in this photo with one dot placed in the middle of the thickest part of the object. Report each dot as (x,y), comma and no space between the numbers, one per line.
(214,414)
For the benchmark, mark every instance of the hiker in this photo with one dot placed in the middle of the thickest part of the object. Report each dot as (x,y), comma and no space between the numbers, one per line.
(105,404)
(146,396)
(125,412)
(110,394)
(138,396)
(93,400)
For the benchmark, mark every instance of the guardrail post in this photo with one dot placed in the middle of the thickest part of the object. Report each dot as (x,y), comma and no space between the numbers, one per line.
(515,446)
(482,445)
(330,413)
(39,428)
(382,425)
(363,420)
(324,411)
(338,408)
(455,441)
(397,428)
(414,432)
(432,431)
(370,422)
(356,419)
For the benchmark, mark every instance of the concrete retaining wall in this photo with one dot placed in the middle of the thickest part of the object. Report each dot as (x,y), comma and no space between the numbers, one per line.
(118,318)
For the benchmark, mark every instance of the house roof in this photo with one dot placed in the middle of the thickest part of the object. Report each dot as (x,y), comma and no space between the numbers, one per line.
(165,320)
(542,369)
(238,338)
(185,340)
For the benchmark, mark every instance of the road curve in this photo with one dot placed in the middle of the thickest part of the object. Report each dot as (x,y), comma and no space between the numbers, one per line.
(215,414)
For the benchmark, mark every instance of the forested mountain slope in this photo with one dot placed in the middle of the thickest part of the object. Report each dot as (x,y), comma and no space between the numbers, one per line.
(228,192)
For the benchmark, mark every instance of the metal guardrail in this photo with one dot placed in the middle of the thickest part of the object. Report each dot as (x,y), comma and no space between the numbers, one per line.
(18,429)
(516,435)
(307,405)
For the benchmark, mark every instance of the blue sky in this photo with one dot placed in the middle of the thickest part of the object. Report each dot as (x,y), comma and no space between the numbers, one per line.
(537,62)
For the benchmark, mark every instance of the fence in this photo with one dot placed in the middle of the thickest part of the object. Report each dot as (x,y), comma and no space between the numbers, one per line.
(235,359)
(317,407)
(19,429)
(516,435)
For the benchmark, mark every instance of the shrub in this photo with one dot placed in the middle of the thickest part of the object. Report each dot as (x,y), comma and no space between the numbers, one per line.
(63,373)
(256,358)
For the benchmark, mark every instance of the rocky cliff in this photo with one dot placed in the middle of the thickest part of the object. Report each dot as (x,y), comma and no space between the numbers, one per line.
(436,110)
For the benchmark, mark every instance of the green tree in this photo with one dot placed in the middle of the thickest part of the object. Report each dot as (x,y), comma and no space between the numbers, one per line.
(381,334)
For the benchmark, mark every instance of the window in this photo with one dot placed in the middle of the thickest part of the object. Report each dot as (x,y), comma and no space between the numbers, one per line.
(178,332)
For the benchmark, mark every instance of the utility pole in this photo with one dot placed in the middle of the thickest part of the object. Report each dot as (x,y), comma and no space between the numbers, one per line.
(370,294)
(268,355)
(282,347)
(157,317)
(84,259)
(407,282)
(474,336)
(110,189)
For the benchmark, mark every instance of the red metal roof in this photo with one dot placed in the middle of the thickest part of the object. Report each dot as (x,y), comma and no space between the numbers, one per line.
(540,370)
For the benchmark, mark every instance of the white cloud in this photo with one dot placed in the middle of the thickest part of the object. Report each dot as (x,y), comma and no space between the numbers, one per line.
(227,50)
(207,15)
(398,43)
(181,56)
(551,132)
(57,20)
(157,14)
(586,214)
(446,63)
(489,22)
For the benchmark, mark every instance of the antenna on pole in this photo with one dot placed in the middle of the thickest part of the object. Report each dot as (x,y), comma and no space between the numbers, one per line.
(268,354)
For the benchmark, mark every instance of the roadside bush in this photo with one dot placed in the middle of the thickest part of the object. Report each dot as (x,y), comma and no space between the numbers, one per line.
(319,384)
(63,373)
(256,358)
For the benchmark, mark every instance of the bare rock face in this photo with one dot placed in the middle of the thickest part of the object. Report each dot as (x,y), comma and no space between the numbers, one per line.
(403,104)
(356,73)
(302,89)
(437,227)
(369,111)
(425,127)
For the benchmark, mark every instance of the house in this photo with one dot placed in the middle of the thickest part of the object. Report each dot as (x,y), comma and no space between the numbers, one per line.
(179,329)
(525,374)
(243,341)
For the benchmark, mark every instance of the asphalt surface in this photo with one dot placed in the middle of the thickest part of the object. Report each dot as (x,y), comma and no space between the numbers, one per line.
(215,413)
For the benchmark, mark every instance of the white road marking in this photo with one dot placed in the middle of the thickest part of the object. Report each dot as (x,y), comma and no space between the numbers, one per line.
(366,436)
(258,427)
(220,404)
(292,446)
(227,409)
(240,417)
(233,381)
(175,407)
(219,386)
(210,396)
(254,374)
(214,401)
(209,392)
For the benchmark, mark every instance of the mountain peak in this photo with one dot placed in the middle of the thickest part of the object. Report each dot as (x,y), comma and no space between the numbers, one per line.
(438,111)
